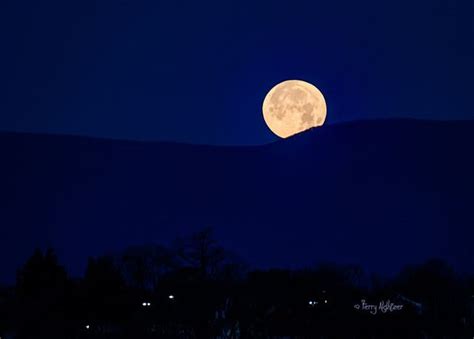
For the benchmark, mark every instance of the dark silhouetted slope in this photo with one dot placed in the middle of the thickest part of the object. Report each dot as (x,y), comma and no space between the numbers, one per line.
(378,193)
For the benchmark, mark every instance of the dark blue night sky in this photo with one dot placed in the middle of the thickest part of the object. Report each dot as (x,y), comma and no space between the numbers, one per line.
(197,71)
(371,188)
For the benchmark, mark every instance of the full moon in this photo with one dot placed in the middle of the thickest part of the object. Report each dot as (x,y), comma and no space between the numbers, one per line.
(293,106)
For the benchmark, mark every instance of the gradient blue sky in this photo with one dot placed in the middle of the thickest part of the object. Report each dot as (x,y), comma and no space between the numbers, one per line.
(197,71)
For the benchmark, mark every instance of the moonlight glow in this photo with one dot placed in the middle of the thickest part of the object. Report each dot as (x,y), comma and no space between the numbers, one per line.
(293,106)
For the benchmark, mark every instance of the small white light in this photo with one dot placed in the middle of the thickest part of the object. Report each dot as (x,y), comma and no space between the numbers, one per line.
(171,296)
(325,301)
(87,327)
(144,304)
(148,304)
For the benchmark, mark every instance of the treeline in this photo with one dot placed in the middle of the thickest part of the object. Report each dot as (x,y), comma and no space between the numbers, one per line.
(197,289)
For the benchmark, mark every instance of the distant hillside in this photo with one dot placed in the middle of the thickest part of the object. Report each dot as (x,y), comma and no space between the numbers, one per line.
(378,193)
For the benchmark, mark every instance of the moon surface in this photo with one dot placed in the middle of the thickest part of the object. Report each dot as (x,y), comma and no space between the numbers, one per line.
(293,106)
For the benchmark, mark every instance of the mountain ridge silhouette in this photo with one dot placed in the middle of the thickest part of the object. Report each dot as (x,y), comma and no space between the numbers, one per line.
(377,193)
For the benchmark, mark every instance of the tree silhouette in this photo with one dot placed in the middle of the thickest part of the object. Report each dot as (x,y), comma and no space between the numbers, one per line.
(202,252)
(41,291)
(143,266)
(41,274)
(128,295)
(103,293)
(437,287)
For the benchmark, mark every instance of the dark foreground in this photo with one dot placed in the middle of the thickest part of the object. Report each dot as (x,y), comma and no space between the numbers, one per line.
(196,289)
